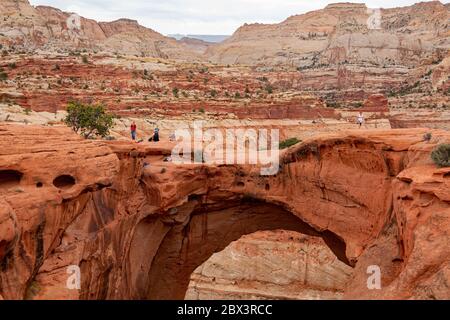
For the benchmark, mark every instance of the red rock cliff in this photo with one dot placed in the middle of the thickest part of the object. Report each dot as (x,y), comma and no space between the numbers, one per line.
(139,231)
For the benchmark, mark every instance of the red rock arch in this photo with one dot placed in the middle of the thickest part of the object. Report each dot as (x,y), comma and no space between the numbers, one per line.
(204,231)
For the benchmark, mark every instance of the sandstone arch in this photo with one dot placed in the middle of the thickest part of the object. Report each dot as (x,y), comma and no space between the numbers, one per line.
(378,191)
(205,231)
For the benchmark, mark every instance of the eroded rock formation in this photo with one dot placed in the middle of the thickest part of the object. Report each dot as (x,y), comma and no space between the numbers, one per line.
(325,64)
(340,33)
(50,29)
(138,227)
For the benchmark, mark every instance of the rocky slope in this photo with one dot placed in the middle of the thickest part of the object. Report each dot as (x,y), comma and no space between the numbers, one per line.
(160,89)
(138,226)
(48,28)
(343,33)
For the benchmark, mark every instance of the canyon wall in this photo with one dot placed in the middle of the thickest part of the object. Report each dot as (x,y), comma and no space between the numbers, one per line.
(342,33)
(311,66)
(138,226)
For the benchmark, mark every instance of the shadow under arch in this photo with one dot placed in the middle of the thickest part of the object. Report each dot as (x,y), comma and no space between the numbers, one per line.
(210,229)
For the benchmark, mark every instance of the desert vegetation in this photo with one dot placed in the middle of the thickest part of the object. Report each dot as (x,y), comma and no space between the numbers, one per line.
(441,155)
(89,120)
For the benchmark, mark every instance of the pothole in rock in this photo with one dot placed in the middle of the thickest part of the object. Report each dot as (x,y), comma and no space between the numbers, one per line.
(10,179)
(64,182)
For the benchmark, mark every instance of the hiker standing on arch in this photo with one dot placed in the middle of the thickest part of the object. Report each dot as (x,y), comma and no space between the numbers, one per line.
(133,129)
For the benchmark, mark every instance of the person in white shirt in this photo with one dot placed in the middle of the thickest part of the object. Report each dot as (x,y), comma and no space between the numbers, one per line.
(360,119)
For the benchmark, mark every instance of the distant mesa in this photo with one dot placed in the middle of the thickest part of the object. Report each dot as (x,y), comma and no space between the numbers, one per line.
(346,5)
(203,37)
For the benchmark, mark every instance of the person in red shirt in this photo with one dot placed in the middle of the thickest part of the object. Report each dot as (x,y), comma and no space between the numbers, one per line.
(133,130)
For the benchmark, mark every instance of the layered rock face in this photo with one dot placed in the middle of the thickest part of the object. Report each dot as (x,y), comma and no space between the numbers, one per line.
(41,172)
(138,226)
(341,33)
(142,89)
(54,30)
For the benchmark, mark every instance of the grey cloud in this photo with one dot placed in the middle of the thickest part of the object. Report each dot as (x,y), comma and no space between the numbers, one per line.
(199,16)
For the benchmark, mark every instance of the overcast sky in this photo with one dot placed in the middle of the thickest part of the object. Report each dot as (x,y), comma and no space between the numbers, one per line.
(200,16)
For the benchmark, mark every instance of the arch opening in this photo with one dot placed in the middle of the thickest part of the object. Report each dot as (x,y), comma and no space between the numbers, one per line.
(275,264)
(210,229)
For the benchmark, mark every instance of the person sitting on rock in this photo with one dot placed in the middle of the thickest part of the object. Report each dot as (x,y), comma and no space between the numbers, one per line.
(155,137)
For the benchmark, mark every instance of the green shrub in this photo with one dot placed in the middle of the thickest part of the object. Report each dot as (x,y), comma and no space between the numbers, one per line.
(441,155)
(288,143)
(427,136)
(89,120)
(3,76)
(333,104)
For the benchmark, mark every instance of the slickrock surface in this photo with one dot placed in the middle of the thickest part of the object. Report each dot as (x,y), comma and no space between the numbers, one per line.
(42,170)
(138,227)
(143,88)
